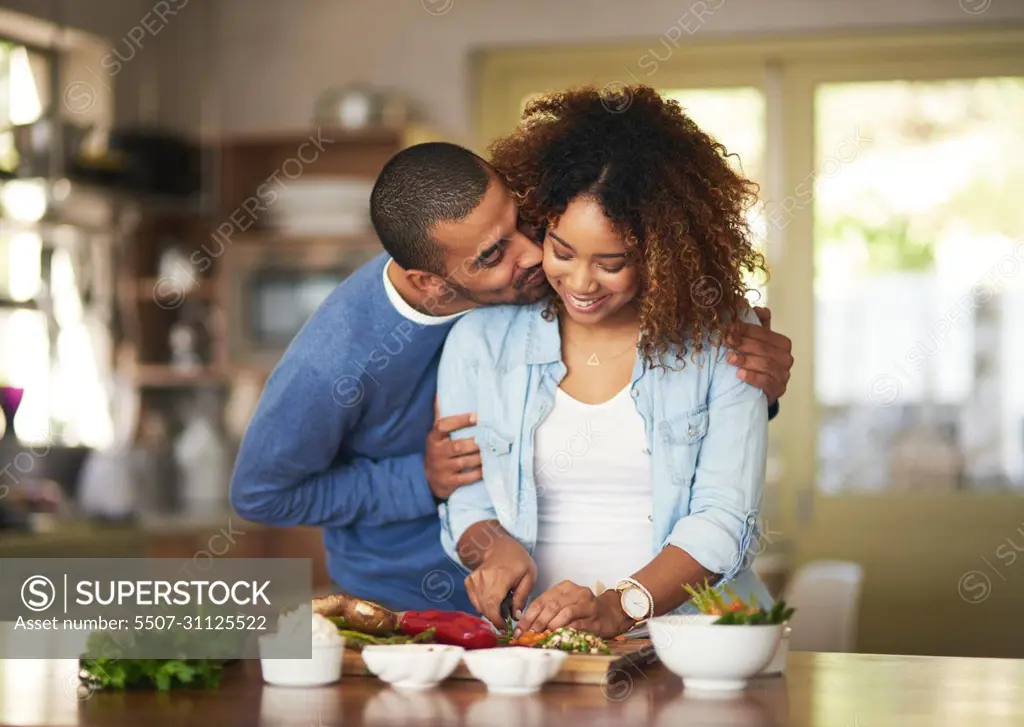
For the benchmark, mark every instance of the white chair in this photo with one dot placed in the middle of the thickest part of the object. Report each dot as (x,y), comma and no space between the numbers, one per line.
(826,595)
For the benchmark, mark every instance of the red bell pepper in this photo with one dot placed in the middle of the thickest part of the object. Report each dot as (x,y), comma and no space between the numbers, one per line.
(455,628)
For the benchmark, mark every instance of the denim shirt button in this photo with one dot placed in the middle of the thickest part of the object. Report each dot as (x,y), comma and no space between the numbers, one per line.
(647,450)
(692,432)
(650,518)
(635,394)
(751,520)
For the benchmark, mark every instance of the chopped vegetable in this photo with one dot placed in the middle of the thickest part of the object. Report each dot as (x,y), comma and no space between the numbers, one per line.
(530,638)
(575,641)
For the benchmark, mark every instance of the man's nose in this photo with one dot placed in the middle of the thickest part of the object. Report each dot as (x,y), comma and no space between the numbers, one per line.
(530,253)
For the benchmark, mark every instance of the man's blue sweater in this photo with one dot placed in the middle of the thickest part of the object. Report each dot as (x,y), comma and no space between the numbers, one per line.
(337,441)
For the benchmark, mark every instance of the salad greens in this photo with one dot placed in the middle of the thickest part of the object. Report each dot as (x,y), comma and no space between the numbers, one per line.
(736,611)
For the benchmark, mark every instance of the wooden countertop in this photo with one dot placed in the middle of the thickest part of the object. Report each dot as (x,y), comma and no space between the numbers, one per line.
(826,690)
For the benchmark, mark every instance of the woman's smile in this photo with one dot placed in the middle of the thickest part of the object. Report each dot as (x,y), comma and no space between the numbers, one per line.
(588,304)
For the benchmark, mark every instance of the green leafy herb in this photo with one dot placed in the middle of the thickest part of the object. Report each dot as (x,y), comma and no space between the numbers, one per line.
(163,674)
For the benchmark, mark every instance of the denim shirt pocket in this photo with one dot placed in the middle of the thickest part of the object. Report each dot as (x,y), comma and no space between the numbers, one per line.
(683,435)
(494,441)
(495,455)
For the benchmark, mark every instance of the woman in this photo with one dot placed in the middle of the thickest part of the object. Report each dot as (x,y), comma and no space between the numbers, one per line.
(622,456)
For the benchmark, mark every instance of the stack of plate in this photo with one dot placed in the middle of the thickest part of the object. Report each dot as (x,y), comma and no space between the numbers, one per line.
(322,206)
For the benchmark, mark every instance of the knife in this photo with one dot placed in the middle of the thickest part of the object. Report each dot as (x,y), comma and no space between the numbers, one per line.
(506,607)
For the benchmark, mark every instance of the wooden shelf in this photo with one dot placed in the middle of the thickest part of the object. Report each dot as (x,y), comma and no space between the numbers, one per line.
(164,292)
(283,237)
(336,135)
(162,376)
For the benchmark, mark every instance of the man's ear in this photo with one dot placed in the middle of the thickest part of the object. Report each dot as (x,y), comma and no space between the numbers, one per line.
(430,285)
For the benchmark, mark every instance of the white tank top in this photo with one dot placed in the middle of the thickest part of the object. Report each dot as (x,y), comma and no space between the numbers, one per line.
(594,493)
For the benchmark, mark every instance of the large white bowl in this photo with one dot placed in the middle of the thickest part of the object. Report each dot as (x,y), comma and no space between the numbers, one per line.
(514,669)
(324,667)
(412,666)
(710,657)
(778,663)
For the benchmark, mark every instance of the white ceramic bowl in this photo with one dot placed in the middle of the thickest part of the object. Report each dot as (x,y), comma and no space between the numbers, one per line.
(412,666)
(778,663)
(514,669)
(710,657)
(324,667)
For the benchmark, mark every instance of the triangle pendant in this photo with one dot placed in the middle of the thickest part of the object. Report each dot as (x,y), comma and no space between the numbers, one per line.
(593,360)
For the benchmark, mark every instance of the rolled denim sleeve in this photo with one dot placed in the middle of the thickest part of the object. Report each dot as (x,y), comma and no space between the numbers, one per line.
(721,530)
(458,393)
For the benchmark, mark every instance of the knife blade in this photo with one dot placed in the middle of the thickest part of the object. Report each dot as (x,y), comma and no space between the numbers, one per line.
(506,607)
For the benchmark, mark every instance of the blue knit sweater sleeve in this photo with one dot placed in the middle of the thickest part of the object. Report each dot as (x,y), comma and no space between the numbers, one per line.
(286,473)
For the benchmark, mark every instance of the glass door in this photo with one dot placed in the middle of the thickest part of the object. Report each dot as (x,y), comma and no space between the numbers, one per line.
(914,407)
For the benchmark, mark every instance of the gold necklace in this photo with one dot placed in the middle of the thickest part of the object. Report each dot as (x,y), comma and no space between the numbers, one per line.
(595,361)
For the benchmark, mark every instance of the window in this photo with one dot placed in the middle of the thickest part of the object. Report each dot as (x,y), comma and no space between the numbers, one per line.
(919,287)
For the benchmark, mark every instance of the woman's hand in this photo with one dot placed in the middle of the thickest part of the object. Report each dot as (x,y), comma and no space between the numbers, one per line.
(506,566)
(568,604)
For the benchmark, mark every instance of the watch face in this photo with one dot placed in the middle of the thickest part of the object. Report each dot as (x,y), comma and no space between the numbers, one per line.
(635,603)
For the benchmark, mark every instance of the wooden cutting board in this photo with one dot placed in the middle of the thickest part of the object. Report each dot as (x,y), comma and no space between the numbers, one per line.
(626,660)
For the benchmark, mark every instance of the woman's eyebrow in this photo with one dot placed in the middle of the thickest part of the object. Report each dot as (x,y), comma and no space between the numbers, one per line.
(560,241)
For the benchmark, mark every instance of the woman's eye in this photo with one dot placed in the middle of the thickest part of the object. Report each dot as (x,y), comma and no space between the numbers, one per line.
(613,270)
(559,256)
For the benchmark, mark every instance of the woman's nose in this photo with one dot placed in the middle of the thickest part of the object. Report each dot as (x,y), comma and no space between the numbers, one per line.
(580,281)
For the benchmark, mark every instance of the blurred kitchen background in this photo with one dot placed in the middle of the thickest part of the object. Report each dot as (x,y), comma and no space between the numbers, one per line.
(183,181)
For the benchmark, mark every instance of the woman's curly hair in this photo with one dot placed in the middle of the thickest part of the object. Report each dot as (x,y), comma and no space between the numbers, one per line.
(665,186)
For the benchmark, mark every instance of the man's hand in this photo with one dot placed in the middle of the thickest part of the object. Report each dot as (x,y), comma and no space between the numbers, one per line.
(763,356)
(451,463)
(505,567)
(568,604)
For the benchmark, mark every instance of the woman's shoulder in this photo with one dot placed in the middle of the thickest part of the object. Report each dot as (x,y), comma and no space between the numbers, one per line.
(487,329)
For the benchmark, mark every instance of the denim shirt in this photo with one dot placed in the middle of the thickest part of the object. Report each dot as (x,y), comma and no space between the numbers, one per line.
(706,431)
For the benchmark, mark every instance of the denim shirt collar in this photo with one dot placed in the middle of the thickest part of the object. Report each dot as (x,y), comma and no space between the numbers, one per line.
(544,341)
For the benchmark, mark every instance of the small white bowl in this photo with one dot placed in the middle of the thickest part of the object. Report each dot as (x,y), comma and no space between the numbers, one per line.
(514,669)
(412,666)
(324,667)
(710,657)
(778,663)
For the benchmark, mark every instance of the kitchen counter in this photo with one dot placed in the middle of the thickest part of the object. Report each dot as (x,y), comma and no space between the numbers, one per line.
(220,534)
(79,532)
(837,690)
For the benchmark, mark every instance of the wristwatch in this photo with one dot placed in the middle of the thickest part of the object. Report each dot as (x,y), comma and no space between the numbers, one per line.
(636,601)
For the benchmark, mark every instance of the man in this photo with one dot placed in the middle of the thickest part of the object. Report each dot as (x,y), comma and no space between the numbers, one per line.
(337,440)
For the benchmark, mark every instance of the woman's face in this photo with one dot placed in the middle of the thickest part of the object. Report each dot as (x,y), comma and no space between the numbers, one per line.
(586,263)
